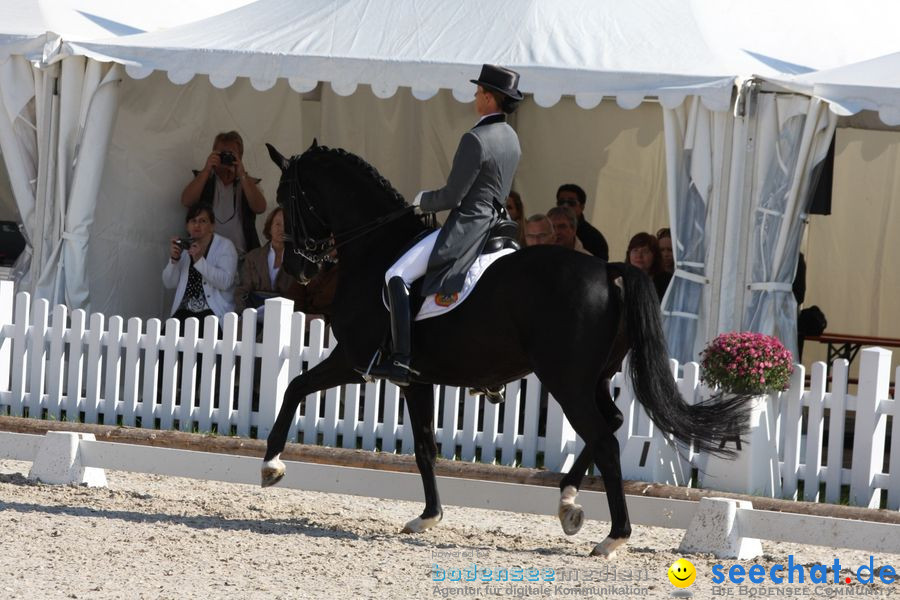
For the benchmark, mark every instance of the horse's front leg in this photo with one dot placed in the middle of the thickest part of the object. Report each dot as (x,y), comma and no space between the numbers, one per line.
(329,373)
(420,402)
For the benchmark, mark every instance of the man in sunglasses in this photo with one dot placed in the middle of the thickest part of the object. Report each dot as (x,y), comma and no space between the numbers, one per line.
(573,196)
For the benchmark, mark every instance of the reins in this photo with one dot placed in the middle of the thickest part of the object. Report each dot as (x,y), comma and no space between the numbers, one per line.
(319,250)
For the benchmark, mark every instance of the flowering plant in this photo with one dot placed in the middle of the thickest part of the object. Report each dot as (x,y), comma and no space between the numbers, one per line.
(746,363)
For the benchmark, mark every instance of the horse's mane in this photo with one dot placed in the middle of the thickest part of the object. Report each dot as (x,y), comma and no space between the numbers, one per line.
(359,164)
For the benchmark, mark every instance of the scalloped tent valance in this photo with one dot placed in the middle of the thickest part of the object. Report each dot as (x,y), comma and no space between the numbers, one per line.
(868,85)
(627,50)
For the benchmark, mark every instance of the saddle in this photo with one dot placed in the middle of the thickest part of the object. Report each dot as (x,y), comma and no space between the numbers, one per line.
(503,236)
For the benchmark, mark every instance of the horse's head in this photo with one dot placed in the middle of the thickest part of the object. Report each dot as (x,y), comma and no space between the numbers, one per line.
(309,239)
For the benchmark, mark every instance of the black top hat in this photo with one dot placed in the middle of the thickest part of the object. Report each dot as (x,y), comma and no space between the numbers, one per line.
(500,80)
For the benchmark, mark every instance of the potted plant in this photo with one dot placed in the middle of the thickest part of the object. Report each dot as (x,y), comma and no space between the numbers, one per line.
(746,363)
(756,364)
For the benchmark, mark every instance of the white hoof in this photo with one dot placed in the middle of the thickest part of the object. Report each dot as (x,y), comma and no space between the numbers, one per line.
(418,525)
(571,515)
(607,548)
(272,472)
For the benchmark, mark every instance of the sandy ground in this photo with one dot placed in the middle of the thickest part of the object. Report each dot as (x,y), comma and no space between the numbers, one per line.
(159,537)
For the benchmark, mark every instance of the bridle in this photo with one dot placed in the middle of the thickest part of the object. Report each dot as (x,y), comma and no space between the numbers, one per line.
(321,250)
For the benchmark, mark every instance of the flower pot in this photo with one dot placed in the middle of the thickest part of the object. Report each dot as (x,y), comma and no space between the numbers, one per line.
(756,469)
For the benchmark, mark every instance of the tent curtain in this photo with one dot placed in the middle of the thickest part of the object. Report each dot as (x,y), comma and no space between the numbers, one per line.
(54,132)
(793,134)
(21,116)
(697,141)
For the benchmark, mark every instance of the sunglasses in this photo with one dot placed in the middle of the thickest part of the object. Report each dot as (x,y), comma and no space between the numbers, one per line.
(567,202)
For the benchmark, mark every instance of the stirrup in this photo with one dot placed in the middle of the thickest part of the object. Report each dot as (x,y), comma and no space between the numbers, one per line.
(366,375)
(495,395)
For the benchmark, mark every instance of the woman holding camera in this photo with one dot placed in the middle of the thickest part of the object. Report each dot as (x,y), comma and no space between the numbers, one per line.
(234,196)
(202,269)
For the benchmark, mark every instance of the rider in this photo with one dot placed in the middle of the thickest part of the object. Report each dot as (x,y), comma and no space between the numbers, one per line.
(479,180)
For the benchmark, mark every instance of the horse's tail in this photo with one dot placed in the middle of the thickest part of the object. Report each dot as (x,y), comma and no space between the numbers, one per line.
(706,423)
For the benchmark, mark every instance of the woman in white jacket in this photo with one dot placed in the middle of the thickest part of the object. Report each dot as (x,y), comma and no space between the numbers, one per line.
(203,275)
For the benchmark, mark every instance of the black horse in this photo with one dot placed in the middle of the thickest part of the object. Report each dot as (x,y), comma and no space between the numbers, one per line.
(544,309)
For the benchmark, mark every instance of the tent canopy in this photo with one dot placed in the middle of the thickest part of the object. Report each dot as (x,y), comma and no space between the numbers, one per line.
(610,49)
(630,50)
(867,85)
(34,28)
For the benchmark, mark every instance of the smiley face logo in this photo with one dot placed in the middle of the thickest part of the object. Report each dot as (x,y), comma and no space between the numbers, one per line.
(682,573)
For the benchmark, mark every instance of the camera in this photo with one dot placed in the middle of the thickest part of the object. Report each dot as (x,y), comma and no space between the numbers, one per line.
(185,243)
(226,158)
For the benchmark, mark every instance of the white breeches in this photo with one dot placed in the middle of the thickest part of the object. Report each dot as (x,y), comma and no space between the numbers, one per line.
(414,263)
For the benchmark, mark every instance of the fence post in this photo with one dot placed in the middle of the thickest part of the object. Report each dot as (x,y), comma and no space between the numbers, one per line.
(893,500)
(869,433)
(37,357)
(56,361)
(837,406)
(273,379)
(20,353)
(7,299)
(815,432)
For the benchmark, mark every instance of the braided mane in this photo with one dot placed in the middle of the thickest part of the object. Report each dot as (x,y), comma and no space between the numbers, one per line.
(357,163)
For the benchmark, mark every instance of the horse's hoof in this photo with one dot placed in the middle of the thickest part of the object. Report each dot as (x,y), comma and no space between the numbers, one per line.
(418,525)
(272,472)
(607,548)
(571,517)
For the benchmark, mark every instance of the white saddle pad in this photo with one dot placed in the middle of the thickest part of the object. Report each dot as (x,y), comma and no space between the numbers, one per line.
(432,309)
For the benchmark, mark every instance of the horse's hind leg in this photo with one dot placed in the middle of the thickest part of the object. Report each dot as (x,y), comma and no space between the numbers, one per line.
(420,402)
(571,515)
(332,371)
(599,437)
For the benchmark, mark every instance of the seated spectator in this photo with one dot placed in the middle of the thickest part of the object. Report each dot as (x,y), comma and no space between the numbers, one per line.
(564,226)
(643,253)
(664,238)
(539,231)
(516,212)
(203,273)
(261,274)
(234,196)
(591,239)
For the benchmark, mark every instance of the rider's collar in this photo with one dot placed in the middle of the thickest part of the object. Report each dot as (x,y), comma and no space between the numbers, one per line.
(491,119)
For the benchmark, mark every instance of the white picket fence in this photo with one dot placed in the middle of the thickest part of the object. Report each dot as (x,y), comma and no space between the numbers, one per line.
(66,365)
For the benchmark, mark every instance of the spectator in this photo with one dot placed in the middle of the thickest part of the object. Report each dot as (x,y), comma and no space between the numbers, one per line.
(664,238)
(564,225)
(539,231)
(233,195)
(516,212)
(643,253)
(592,240)
(261,274)
(203,273)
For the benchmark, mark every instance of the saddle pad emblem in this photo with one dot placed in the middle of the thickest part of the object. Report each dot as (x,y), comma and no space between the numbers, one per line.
(446,300)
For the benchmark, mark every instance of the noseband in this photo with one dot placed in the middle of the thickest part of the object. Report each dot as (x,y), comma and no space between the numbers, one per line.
(320,250)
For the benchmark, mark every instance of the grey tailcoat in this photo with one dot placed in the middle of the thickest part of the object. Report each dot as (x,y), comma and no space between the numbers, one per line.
(482,171)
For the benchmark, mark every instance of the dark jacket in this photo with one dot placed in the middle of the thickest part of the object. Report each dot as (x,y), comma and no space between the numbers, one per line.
(479,181)
(248,217)
(592,240)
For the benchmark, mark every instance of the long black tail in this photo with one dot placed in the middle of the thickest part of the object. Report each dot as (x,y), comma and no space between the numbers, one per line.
(706,423)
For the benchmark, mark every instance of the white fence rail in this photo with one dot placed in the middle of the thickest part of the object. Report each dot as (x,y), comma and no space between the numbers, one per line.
(66,365)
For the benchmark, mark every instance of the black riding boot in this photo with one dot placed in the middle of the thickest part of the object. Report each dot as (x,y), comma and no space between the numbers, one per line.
(396,366)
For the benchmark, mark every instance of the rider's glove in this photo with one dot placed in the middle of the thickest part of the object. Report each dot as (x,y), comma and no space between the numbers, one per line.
(417,203)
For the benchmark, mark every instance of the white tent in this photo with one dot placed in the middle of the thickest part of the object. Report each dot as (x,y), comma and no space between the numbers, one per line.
(666,50)
(55,124)
(867,85)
